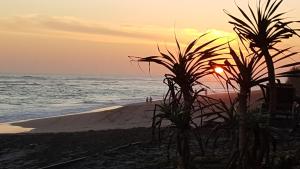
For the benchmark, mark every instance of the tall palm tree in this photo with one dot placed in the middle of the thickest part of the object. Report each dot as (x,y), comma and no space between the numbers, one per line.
(263,28)
(244,71)
(187,68)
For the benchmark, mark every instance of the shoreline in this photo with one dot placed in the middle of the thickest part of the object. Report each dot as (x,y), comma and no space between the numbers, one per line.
(11,128)
(115,117)
(69,114)
(76,110)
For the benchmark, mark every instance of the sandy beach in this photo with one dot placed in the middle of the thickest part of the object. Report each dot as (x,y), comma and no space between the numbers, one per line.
(118,138)
(117,117)
(125,117)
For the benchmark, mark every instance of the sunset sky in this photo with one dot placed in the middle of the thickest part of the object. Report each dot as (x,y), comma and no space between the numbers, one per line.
(95,37)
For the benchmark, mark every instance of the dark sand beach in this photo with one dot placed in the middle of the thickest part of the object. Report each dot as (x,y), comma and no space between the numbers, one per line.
(116,138)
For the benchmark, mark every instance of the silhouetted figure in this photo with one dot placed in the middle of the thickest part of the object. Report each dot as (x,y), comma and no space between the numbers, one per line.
(150,99)
(147,100)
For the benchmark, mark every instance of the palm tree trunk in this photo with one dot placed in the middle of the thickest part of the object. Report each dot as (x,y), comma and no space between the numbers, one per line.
(183,137)
(183,149)
(242,110)
(272,80)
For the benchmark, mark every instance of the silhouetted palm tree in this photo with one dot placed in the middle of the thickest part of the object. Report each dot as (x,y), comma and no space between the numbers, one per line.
(244,71)
(186,67)
(263,28)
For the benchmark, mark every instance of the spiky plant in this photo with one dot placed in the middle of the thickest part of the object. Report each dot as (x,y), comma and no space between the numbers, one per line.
(187,68)
(263,28)
(244,71)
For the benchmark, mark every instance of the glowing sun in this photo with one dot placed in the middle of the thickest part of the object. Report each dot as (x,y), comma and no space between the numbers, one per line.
(218,70)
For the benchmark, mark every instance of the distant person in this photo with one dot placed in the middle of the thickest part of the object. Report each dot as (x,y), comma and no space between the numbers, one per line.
(150,99)
(147,100)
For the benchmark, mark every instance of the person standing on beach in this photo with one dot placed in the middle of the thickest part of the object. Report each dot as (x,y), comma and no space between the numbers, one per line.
(146,99)
(150,99)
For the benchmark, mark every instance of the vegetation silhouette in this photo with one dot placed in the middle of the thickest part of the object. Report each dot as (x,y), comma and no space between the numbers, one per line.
(253,64)
(242,72)
(263,29)
(187,68)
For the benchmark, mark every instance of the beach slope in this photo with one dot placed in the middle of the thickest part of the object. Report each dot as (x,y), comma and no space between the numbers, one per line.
(121,117)
(125,117)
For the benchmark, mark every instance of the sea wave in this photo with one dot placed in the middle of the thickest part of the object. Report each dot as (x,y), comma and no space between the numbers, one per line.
(24,97)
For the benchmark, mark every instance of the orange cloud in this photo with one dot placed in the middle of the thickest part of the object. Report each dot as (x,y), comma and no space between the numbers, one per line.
(81,29)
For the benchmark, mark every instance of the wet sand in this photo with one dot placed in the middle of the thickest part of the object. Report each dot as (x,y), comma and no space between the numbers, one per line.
(128,116)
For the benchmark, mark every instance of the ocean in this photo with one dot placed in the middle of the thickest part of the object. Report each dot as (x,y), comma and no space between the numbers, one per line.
(38,96)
